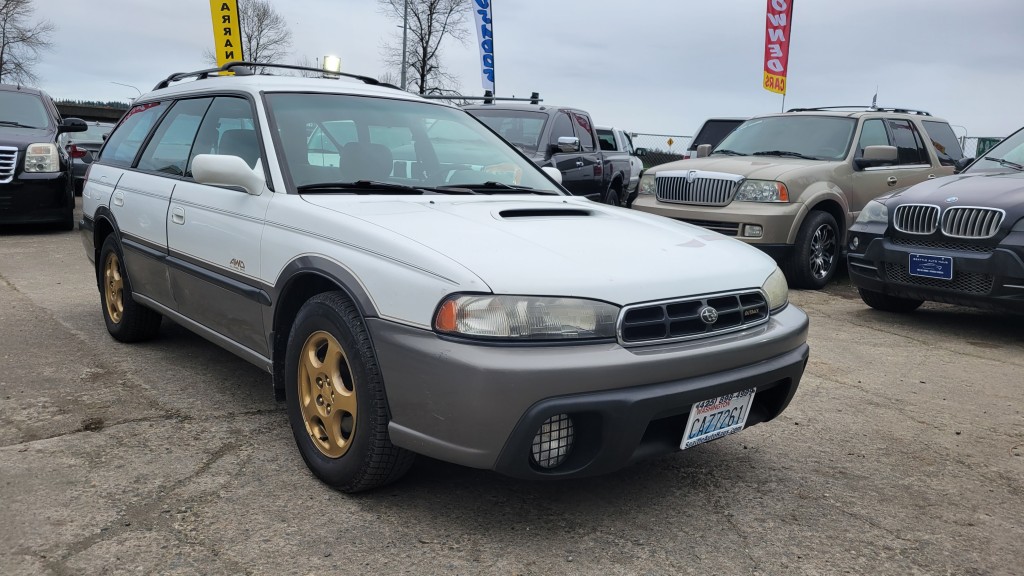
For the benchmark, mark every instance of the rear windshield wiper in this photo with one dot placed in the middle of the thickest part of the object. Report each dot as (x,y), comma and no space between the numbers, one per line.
(376,187)
(727,152)
(786,153)
(1007,163)
(17,124)
(494,187)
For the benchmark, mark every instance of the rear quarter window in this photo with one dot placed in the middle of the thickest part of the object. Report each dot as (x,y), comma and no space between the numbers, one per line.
(124,142)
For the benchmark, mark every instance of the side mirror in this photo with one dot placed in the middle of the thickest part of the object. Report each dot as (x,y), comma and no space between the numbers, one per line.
(568,144)
(223,170)
(72,125)
(553,173)
(961,164)
(876,156)
(640,152)
(703,151)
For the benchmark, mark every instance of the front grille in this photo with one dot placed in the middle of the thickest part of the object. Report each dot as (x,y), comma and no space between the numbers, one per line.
(727,228)
(701,191)
(970,222)
(8,163)
(942,245)
(964,282)
(676,320)
(916,218)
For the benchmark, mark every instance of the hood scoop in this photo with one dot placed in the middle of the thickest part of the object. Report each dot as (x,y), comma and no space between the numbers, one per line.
(543,212)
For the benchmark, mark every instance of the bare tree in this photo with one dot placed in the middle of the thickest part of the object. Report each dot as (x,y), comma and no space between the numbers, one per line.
(21,41)
(265,33)
(430,23)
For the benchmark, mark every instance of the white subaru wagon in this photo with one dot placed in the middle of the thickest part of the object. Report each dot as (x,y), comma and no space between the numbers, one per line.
(417,286)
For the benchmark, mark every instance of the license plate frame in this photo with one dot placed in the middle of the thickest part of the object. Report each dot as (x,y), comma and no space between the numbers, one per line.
(717,417)
(930,266)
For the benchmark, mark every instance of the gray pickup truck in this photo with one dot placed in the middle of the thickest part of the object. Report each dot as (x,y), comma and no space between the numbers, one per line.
(564,138)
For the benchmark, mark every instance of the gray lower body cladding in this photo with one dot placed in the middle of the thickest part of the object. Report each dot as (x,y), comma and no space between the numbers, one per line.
(480,405)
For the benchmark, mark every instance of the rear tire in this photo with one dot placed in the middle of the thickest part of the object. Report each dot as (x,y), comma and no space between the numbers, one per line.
(815,256)
(612,197)
(126,319)
(335,395)
(889,303)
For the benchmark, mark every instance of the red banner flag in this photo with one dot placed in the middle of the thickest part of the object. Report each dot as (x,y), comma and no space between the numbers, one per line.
(776,44)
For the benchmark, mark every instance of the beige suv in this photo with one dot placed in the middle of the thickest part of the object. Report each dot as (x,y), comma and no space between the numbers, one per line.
(792,183)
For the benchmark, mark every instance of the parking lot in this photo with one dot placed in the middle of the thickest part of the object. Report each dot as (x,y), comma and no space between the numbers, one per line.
(902,453)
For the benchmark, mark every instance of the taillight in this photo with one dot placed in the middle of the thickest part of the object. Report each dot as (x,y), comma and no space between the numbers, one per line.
(77,152)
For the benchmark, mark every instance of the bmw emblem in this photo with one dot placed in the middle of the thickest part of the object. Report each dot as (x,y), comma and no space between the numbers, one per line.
(951,200)
(691,176)
(708,315)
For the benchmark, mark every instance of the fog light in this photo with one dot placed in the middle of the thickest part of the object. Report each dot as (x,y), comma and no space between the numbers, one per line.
(553,442)
(854,243)
(753,230)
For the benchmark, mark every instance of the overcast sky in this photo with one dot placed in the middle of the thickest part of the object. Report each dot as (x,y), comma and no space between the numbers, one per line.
(655,66)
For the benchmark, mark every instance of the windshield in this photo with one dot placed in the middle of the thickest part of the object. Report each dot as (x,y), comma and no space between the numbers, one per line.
(1007,156)
(20,108)
(520,127)
(815,137)
(339,139)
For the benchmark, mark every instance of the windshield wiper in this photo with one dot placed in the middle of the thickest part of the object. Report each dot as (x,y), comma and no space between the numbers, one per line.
(376,187)
(1007,163)
(494,187)
(17,124)
(786,153)
(727,152)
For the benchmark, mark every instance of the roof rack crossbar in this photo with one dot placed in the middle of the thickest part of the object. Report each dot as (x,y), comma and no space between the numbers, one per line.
(242,68)
(862,108)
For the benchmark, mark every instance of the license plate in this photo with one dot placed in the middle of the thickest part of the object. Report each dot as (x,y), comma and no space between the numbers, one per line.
(927,266)
(712,419)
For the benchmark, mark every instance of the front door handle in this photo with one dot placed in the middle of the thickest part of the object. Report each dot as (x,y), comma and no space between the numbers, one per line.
(892,180)
(931,176)
(178,215)
(579,164)
(118,198)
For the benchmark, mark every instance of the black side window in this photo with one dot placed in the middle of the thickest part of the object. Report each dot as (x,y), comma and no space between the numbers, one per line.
(561,128)
(169,148)
(607,139)
(228,129)
(908,142)
(585,131)
(947,147)
(872,134)
(126,139)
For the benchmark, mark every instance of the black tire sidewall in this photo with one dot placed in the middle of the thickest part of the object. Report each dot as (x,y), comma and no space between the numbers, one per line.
(111,245)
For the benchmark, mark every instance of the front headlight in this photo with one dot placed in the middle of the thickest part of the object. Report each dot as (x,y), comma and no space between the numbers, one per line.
(1019,226)
(762,191)
(42,157)
(525,318)
(874,213)
(777,290)
(648,185)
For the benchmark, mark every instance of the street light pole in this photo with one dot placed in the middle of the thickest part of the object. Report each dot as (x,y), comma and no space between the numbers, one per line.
(405,35)
(129,86)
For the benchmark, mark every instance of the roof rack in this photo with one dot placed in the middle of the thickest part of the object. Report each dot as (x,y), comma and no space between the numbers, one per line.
(487,98)
(242,68)
(862,108)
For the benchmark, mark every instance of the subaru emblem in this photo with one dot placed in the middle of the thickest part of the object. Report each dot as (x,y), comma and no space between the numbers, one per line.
(708,315)
(951,199)
(691,176)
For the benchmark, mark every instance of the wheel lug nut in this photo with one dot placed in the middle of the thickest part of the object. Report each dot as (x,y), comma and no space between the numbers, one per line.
(320,400)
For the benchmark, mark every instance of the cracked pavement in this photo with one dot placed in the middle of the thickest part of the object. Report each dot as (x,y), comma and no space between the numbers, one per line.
(902,453)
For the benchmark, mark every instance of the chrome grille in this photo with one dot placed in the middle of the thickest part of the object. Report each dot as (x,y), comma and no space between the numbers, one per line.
(8,163)
(916,218)
(971,222)
(964,282)
(701,191)
(942,245)
(676,320)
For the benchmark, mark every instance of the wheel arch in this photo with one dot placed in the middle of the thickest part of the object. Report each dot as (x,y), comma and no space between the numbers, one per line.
(104,225)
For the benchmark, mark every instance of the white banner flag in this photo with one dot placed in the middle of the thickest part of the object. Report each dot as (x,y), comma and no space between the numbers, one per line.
(485,38)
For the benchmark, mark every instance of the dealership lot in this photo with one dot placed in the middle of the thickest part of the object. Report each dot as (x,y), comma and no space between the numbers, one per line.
(902,453)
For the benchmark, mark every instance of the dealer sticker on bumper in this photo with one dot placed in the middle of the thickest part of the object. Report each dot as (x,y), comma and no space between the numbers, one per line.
(712,419)
(928,266)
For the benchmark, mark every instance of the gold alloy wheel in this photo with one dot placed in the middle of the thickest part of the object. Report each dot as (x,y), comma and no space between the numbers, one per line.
(327,397)
(113,288)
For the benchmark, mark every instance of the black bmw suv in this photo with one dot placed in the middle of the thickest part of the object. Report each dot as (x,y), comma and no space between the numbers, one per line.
(35,172)
(958,239)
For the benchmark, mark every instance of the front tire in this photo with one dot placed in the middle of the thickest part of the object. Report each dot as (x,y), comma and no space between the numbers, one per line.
(889,303)
(815,256)
(126,319)
(337,405)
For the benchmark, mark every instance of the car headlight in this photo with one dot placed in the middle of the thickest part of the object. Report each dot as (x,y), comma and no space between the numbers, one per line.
(42,157)
(525,317)
(1019,226)
(874,212)
(762,191)
(777,289)
(648,185)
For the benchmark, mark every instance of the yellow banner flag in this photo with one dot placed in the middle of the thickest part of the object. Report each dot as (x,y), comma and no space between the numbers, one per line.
(227,39)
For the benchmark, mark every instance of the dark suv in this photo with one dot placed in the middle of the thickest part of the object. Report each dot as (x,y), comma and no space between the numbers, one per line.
(35,172)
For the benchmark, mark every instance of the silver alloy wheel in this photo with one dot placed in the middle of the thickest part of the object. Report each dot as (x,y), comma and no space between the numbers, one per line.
(823,251)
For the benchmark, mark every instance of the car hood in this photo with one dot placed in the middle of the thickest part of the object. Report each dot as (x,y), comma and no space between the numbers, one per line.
(22,137)
(995,190)
(753,167)
(562,246)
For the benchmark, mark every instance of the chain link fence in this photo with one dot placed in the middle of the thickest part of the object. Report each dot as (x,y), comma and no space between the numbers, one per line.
(660,148)
(975,146)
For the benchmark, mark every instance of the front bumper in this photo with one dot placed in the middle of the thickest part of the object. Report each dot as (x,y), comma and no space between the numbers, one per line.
(991,279)
(777,221)
(480,406)
(32,198)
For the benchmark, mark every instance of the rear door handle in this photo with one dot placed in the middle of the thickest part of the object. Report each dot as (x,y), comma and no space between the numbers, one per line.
(892,180)
(930,176)
(579,164)
(178,215)
(118,198)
